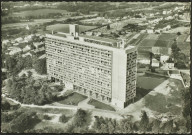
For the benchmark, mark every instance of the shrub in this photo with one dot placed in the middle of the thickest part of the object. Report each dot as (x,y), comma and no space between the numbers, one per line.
(46,117)
(63,118)
(5,105)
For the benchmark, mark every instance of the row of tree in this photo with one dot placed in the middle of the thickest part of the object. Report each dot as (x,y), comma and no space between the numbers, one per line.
(179,58)
(145,125)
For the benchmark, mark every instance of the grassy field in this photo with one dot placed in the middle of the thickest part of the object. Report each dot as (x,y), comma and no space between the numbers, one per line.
(140,93)
(148,42)
(185,47)
(163,43)
(73,99)
(149,83)
(182,38)
(37,12)
(152,36)
(65,28)
(162,104)
(100,105)
(24,24)
(49,110)
(144,50)
(168,36)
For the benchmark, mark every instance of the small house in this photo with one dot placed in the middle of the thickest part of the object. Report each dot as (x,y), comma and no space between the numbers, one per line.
(164,58)
(155,63)
(27,48)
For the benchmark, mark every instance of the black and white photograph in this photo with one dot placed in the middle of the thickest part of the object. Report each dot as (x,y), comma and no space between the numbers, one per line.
(95,67)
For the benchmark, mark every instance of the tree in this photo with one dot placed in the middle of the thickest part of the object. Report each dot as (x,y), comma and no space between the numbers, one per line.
(28,62)
(178,33)
(144,121)
(79,118)
(29,119)
(97,124)
(63,118)
(10,63)
(155,126)
(104,128)
(108,27)
(5,105)
(40,66)
(111,127)
(151,57)
(168,127)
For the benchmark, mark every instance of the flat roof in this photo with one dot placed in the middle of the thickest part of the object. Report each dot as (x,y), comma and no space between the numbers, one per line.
(100,38)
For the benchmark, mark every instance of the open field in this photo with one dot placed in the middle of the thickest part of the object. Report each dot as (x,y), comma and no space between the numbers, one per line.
(149,83)
(182,38)
(144,50)
(185,47)
(37,12)
(49,110)
(164,43)
(148,42)
(152,36)
(164,98)
(73,99)
(24,24)
(168,36)
(179,29)
(65,28)
(139,39)
(100,105)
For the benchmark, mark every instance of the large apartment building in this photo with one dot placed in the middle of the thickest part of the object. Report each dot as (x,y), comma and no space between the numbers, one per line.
(100,68)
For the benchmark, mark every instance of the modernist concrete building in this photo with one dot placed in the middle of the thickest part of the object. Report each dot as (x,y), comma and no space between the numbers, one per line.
(104,69)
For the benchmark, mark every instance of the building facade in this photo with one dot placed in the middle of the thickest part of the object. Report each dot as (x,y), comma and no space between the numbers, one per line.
(97,67)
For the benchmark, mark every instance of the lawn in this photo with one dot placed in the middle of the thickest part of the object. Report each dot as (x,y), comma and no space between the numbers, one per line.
(185,47)
(170,102)
(152,36)
(65,28)
(100,105)
(140,93)
(139,39)
(163,43)
(174,72)
(162,103)
(49,110)
(145,49)
(148,42)
(37,12)
(149,82)
(168,36)
(72,99)
(182,38)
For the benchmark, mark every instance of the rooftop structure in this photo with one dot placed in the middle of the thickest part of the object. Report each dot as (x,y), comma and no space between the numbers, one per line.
(101,68)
